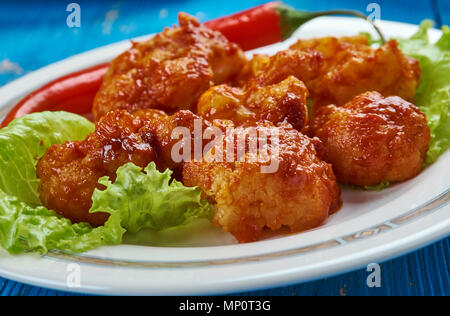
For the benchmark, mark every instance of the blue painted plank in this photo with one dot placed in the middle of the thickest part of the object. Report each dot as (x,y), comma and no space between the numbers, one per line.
(443,6)
(36,34)
(437,13)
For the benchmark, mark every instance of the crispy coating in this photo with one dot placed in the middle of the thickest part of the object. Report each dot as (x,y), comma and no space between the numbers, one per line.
(330,48)
(69,172)
(282,102)
(351,67)
(271,91)
(162,127)
(373,139)
(266,70)
(169,71)
(299,194)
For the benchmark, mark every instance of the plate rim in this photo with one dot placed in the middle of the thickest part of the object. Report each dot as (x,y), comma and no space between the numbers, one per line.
(441,200)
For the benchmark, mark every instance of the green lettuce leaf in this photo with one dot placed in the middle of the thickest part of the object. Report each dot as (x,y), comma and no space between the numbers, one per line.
(24,141)
(149,199)
(24,228)
(135,200)
(433,94)
(379,187)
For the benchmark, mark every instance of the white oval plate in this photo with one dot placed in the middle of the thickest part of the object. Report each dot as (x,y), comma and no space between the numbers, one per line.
(371,227)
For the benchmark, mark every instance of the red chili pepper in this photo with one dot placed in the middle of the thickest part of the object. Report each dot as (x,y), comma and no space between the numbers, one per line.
(74,93)
(256,27)
(269,23)
(252,28)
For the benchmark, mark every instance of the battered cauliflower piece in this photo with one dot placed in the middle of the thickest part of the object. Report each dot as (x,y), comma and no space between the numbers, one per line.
(373,139)
(351,67)
(69,172)
(169,71)
(282,102)
(330,48)
(272,91)
(162,126)
(266,70)
(299,194)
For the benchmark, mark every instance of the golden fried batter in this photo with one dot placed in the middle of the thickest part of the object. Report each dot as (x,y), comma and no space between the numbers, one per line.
(162,126)
(283,102)
(272,91)
(169,71)
(69,172)
(299,194)
(373,139)
(330,48)
(352,67)
(267,70)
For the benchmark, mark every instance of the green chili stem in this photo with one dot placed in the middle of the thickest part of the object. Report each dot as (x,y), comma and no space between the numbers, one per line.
(292,19)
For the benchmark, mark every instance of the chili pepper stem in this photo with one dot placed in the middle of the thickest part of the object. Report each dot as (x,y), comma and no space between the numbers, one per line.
(292,19)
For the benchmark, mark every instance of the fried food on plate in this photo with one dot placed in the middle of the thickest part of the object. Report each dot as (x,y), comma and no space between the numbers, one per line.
(169,71)
(69,172)
(297,190)
(373,139)
(162,126)
(281,102)
(330,48)
(271,91)
(266,70)
(352,67)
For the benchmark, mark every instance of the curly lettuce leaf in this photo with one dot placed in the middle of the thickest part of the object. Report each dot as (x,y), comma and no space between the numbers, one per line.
(135,200)
(24,141)
(380,187)
(433,94)
(24,228)
(149,199)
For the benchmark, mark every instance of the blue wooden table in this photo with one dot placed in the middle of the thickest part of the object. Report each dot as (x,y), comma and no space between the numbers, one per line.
(33,35)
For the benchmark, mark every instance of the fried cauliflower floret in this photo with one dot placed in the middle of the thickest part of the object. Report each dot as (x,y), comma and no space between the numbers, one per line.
(373,139)
(169,71)
(267,70)
(352,67)
(162,127)
(330,47)
(283,102)
(297,190)
(69,172)
(272,91)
